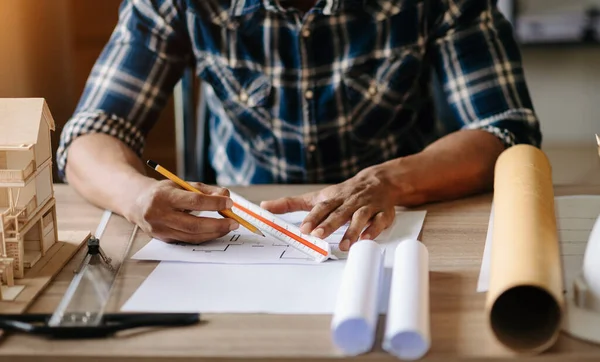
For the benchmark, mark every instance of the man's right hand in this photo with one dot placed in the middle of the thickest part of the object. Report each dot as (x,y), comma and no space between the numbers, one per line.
(162,211)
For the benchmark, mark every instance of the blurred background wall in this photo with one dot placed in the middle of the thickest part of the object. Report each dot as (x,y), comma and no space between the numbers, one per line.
(564,78)
(47,48)
(36,53)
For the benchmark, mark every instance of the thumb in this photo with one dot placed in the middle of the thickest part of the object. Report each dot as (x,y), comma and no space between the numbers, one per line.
(288,204)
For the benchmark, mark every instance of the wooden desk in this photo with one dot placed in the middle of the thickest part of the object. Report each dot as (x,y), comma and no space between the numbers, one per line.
(454,232)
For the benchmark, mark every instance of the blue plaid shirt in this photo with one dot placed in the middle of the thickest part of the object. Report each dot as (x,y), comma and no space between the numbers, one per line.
(314,97)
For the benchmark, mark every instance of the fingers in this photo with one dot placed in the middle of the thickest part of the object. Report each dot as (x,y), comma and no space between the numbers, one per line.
(159,213)
(211,190)
(289,204)
(186,200)
(178,226)
(327,217)
(359,221)
(328,210)
(380,222)
(198,225)
(173,236)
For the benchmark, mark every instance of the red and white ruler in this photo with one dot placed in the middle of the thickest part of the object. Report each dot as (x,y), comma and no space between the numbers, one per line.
(269,223)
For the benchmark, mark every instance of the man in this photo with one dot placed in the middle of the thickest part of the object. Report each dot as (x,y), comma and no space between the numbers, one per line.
(303,91)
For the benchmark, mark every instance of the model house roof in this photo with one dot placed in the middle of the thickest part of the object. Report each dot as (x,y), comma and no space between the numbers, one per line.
(20,120)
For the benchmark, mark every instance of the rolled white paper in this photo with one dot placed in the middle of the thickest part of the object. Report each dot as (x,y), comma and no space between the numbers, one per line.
(356,311)
(407,331)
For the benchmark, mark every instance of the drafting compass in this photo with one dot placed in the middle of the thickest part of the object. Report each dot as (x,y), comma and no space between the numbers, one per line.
(94,248)
(81,312)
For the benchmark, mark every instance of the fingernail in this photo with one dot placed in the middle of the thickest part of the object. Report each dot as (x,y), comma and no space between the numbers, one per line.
(366,237)
(306,228)
(234,225)
(318,232)
(344,245)
(229,203)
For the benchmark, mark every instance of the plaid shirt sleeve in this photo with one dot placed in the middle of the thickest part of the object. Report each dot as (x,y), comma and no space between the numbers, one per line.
(133,77)
(479,64)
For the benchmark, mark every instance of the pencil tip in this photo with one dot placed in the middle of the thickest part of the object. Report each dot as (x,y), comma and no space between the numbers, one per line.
(258,232)
(151,163)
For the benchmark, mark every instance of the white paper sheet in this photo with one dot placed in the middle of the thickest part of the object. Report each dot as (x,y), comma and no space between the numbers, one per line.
(238,247)
(258,288)
(484,273)
(354,320)
(575,217)
(243,247)
(230,288)
(407,330)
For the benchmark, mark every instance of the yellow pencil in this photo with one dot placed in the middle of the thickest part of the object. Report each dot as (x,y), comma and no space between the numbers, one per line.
(225,213)
(598,142)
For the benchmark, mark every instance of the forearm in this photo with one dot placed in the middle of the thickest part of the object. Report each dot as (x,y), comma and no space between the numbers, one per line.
(457,165)
(106,172)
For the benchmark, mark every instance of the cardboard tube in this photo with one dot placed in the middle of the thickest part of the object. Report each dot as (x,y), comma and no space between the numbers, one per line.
(525,297)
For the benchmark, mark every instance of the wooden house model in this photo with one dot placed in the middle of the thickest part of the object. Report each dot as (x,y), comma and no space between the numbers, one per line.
(28,225)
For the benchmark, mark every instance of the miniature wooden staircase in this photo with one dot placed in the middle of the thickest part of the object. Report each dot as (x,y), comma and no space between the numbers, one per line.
(31,257)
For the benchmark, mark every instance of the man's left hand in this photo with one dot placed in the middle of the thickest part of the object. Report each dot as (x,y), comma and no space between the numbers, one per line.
(366,200)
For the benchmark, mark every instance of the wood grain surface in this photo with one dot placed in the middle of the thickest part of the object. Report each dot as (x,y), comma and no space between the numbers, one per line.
(454,232)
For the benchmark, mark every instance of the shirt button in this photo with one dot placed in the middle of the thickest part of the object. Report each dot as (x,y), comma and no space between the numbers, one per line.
(309,94)
(306,33)
(243,97)
(312,147)
(372,90)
